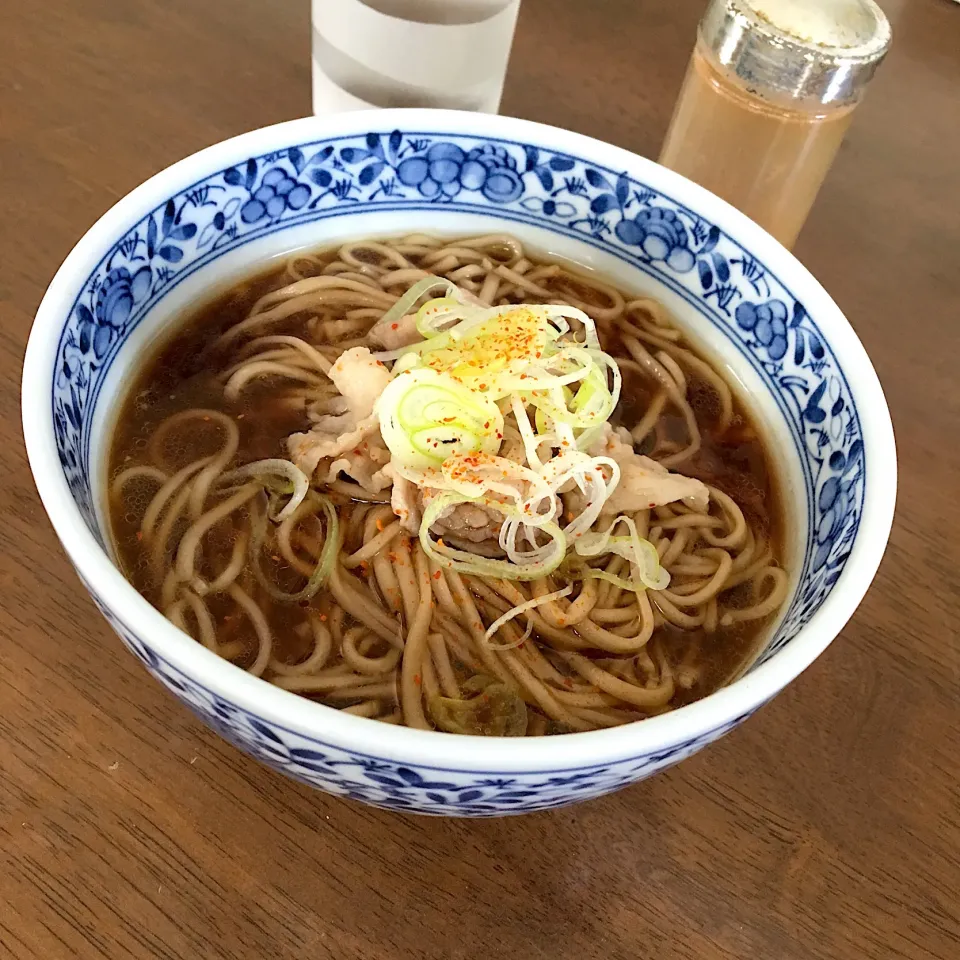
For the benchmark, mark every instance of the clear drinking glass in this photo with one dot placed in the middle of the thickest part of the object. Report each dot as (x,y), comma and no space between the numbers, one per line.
(411,53)
(769,94)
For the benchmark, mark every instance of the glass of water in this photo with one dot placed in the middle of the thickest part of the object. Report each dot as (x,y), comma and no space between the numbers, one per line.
(411,53)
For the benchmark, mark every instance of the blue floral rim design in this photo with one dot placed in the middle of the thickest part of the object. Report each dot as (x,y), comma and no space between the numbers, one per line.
(421,788)
(515,181)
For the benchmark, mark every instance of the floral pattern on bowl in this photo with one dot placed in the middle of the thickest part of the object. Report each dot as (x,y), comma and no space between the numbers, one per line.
(399,786)
(519,182)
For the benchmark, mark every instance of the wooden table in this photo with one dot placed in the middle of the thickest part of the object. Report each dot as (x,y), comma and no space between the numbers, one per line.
(828,826)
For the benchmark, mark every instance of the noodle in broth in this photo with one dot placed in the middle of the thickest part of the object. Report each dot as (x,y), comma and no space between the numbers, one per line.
(330,593)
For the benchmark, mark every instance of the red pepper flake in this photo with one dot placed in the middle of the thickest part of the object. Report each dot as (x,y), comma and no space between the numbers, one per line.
(139,534)
(568,683)
(417,680)
(436,575)
(380,524)
(356,451)
(394,326)
(323,618)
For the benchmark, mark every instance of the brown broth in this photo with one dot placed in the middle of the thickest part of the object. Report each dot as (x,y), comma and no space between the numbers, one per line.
(178,376)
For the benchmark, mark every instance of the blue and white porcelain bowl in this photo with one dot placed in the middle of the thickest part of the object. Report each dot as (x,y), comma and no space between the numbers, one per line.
(208,219)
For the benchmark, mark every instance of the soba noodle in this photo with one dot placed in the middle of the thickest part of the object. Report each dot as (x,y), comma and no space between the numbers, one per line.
(326,592)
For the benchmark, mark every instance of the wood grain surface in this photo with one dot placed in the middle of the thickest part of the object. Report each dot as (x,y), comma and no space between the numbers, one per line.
(827,826)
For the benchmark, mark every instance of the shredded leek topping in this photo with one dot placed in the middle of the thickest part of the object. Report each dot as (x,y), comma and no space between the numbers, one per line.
(490,708)
(267,471)
(427,416)
(328,554)
(443,419)
(641,554)
(522,608)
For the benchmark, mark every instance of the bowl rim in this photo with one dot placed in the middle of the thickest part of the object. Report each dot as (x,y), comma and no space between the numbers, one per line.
(431,749)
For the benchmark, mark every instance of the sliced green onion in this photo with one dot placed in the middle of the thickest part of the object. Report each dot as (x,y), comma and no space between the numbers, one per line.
(404,305)
(495,710)
(324,567)
(641,553)
(629,585)
(268,469)
(475,476)
(586,438)
(522,608)
(530,443)
(541,414)
(442,409)
(427,417)
(470,563)
(438,313)
(593,395)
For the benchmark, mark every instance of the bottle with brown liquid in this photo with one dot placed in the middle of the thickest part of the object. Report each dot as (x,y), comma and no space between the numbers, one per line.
(769,94)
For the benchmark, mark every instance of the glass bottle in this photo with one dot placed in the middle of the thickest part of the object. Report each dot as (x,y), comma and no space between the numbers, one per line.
(769,94)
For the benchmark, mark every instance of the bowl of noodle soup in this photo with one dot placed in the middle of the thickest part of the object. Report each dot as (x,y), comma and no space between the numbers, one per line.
(456,464)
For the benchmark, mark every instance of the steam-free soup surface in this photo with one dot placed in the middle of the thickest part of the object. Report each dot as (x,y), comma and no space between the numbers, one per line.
(345,595)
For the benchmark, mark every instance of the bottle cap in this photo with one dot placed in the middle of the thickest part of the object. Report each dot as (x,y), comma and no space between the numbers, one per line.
(824,51)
